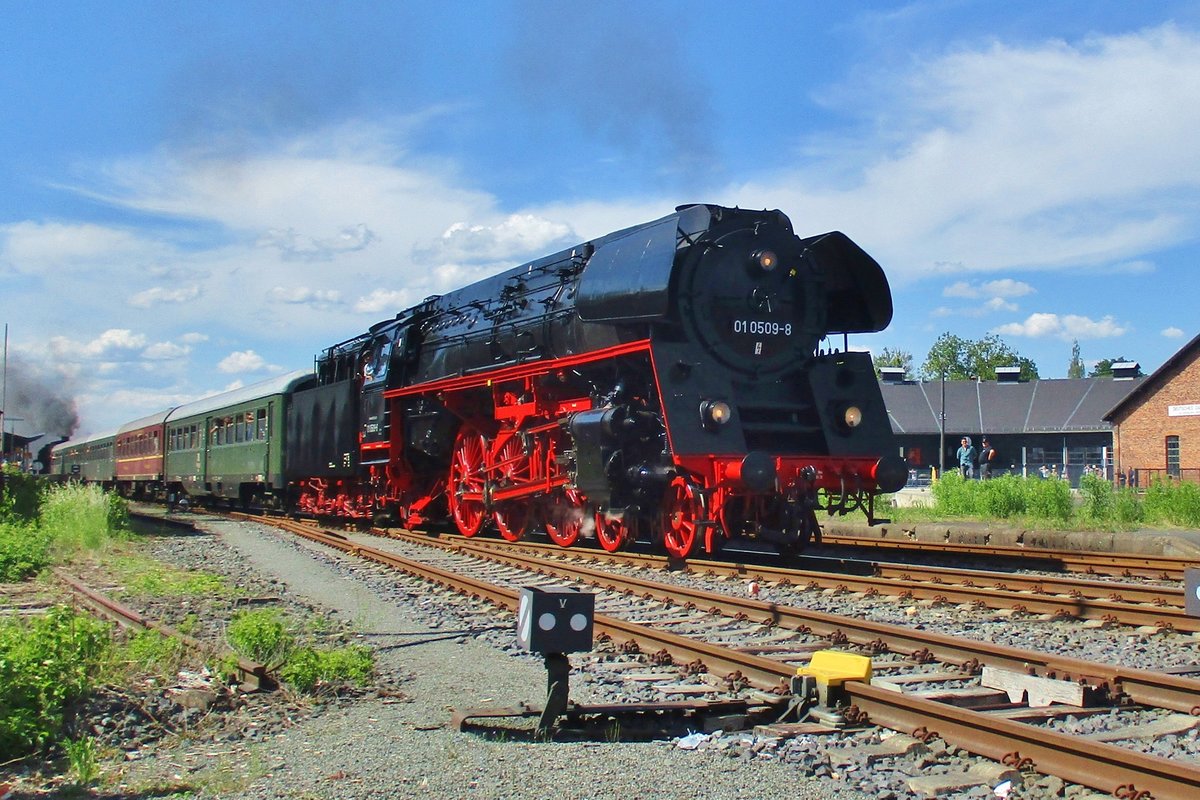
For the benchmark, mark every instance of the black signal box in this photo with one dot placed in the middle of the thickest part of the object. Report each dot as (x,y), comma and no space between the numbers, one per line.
(555,620)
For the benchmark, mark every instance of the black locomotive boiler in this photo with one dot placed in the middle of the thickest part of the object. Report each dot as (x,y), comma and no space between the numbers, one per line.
(667,381)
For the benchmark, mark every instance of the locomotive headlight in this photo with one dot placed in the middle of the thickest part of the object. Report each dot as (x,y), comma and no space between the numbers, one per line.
(714,413)
(766,260)
(852,416)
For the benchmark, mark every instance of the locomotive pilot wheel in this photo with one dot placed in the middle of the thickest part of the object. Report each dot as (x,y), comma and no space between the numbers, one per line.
(615,533)
(683,511)
(564,518)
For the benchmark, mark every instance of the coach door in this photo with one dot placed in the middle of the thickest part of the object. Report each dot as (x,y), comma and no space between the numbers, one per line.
(209,433)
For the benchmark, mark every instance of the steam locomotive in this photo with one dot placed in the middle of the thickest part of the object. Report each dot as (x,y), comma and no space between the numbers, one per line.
(667,381)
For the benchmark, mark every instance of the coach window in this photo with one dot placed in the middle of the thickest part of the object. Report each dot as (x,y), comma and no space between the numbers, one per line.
(1173,456)
(239,429)
(262,423)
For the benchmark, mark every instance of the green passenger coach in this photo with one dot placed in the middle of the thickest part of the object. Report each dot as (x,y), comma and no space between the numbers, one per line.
(90,459)
(231,445)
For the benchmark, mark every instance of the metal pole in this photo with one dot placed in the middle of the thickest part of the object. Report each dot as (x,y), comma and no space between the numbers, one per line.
(942,430)
(4,395)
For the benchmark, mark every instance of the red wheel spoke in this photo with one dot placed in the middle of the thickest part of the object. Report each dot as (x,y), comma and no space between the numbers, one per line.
(614,533)
(465,485)
(682,513)
(564,518)
(513,517)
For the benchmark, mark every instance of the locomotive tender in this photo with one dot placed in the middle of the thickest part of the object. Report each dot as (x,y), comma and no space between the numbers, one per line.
(665,381)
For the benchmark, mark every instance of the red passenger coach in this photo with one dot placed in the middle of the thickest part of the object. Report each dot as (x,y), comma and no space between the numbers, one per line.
(139,451)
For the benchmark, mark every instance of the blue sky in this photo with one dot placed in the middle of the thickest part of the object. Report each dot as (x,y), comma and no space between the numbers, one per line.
(200,195)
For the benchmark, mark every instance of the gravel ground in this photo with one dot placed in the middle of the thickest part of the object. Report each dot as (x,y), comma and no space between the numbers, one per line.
(437,652)
(397,742)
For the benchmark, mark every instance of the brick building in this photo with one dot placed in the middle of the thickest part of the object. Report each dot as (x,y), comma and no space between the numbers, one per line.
(1156,427)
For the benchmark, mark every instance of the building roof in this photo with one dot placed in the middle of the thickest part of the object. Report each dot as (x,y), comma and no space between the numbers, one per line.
(1155,379)
(1040,406)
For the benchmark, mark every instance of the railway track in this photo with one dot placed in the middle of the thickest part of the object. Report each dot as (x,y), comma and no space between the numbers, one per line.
(767,659)
(1134,604)
(251,675)
(1126,565)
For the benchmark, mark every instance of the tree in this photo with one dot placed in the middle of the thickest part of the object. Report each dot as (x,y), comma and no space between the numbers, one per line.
(1103,368)
(887,357)
(1075,368)
(964,359)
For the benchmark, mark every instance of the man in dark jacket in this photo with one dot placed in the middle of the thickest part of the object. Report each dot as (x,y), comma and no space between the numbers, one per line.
(987,454)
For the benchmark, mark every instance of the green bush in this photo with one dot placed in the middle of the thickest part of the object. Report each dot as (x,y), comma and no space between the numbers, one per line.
(1049,499)
(1098,497)
(1127,507)
(20,496)
(952,495)
(1170,503)
(1002,497)
(45,664)
(24,551)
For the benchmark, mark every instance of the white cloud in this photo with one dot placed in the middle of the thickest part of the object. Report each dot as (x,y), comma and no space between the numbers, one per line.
(999,304)
(1003,288)
(383,301)
(1047,155)
(1172,332)
(165,351)
(295,246)
(1067,327)
(303,295)
(160,296)
(37,246)
(512,239)
(242,361)
(112,343)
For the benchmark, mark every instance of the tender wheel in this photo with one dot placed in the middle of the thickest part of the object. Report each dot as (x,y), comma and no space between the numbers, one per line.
(683,510)
(465,485)
(564,518)
(614,533)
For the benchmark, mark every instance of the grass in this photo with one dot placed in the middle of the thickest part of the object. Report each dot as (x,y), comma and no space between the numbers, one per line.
(147,576)
(1050,503)
(265,636)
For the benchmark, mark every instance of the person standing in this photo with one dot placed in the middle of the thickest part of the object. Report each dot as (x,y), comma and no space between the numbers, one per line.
(987,454)
(966,457)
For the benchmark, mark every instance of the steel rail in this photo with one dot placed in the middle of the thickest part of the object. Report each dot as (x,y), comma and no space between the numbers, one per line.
(1120,771)
(1090,561)
(252,675)
(1131,604)
(1156,689)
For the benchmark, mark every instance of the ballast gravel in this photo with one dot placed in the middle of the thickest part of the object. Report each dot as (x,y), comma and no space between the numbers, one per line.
(398,742)
(437,652)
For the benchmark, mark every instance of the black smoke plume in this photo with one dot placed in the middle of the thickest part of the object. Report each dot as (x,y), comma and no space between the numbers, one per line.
(40,398)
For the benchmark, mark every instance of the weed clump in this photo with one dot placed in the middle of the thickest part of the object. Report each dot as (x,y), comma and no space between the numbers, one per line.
(264,636)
